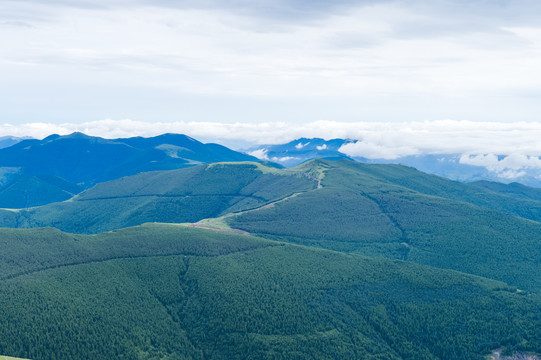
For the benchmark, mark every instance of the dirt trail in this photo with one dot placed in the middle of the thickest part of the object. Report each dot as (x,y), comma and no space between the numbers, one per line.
(235,231)
(218,223)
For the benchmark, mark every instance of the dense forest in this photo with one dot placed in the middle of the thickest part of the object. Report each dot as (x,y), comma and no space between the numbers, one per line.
(338,260)
(167,291)
(175,196)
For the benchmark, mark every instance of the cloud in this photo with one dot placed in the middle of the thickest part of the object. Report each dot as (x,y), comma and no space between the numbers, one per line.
(377,151)
(259,153)
(283,159)
(284,10)
(321,147)
(389,48)
(375,139)
(392,140)
(511,166)
(262,155)
(16,24)
(503,148)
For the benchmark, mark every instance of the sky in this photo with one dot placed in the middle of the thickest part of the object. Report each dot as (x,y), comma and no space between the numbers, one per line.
(405,77)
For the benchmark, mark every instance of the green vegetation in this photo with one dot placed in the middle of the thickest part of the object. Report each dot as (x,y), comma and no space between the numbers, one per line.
(514,189)
(260,166)
(353,261)
(172,292)
(28,250)
(389,211)
(362,209)
(27,191)
(409,178)
(175,196)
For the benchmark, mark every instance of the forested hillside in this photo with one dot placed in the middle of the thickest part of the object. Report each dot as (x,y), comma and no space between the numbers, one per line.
(22,191)
(376,210)
(339,260)
(167,291)
(176,196)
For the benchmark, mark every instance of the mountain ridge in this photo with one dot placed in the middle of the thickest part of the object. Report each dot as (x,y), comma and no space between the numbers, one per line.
(86,160)
(390,211)
(453,166)
(82,161)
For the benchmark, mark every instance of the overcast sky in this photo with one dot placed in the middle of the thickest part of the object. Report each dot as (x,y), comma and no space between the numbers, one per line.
(213,68)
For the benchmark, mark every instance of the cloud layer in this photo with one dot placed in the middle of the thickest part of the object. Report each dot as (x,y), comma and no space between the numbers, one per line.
(294,60)
(507,149)
(387,140)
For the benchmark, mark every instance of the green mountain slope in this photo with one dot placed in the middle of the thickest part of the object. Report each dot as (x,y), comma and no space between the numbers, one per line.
(173,292)
(27,191)
(492,197)
(368,209)
(513,189)
(176,196)
(377,210)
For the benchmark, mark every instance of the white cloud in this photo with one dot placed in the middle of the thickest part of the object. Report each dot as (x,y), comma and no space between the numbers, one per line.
(283,159)
(478,143)
(386,50)
(301,145)
(511,174)
(372,150)
(376,139)
(391,140)
(260,154)
(321,147)
(510,166)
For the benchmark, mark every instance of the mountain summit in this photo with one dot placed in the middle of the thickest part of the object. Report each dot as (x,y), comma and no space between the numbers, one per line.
(87,160)
(456,166)
(37,172)
(298,151)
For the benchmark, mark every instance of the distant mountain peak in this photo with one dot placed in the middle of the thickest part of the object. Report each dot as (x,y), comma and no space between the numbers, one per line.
(87,160)
(300,150)
(51,137)
(78,134)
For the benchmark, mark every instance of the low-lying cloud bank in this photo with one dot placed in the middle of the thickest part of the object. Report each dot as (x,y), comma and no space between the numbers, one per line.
(500,147)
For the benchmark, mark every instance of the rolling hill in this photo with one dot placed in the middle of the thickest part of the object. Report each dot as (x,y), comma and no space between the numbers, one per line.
(388,211)
(515,190)
(7,141)
(175,196)
(174,292)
